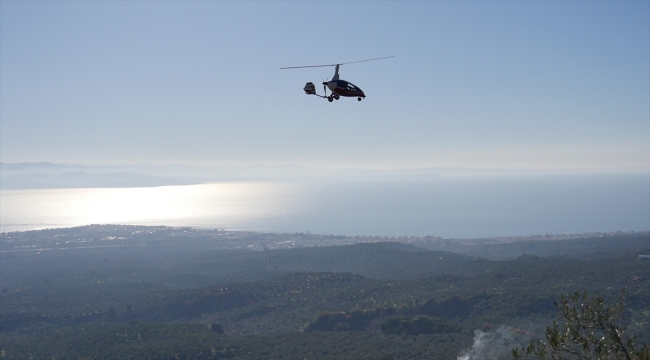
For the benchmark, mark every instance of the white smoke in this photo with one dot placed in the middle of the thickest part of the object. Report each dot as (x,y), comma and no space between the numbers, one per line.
(493,345)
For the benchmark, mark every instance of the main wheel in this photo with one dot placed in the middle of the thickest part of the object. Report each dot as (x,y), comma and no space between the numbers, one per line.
(330,99)
(336,97)
(359,98)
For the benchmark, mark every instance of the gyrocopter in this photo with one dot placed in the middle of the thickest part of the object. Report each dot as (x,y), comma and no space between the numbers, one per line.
(337,86)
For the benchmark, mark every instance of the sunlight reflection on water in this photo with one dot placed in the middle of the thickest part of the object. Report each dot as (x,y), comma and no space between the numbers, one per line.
(230,205)
(447,207)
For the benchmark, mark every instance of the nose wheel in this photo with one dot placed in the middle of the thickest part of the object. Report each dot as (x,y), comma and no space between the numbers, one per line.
(359,98)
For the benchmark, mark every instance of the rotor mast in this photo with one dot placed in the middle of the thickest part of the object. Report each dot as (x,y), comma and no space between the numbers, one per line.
(336,73)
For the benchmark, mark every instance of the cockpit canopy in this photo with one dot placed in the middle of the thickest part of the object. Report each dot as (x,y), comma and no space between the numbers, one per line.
(348,89)
(347,86)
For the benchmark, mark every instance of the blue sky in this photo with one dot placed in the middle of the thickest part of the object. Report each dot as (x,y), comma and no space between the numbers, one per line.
(549,85)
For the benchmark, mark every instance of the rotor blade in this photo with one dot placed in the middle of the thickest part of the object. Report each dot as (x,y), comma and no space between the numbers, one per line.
(354,62)
(298,67)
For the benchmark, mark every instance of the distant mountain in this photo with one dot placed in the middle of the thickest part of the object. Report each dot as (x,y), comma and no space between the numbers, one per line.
(85,180)
(38,167)
(212,173)
(30,175)
(249,172)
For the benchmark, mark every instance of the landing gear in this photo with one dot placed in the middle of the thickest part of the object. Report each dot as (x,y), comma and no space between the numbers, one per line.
(336,97)
(330,99)
(359,98)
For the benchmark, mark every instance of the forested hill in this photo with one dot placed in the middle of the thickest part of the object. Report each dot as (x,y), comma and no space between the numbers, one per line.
(185,297)
(599,246)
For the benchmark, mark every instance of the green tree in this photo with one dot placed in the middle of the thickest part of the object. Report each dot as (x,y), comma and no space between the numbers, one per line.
(590,330)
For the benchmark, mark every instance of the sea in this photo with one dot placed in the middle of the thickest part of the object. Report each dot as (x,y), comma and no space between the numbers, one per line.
(447,206)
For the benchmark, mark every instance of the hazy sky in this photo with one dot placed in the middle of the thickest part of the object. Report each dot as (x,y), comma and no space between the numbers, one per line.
(544,84)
